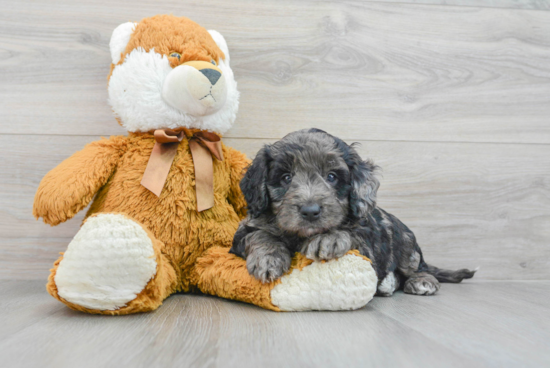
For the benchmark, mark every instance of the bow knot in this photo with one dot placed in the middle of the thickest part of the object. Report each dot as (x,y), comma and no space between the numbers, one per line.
(203,146)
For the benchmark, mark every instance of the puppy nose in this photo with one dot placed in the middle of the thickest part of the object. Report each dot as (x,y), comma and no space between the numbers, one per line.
(310,212)
(211,74)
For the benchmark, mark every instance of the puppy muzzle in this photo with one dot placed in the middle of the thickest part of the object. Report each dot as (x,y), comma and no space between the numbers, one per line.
(196,87)
(310,212)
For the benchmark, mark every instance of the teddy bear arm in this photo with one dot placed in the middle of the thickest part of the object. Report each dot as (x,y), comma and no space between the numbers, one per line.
(238,162)
(69,187)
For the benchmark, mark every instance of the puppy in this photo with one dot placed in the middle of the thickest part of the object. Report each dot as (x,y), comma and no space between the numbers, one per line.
(312,193)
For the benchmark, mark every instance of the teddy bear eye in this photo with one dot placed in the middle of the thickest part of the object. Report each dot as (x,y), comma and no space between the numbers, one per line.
(176,55)
(213,62)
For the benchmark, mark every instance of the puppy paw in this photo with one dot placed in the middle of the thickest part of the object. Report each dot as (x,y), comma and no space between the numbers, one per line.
(267,267)
(327,246)
(421,284)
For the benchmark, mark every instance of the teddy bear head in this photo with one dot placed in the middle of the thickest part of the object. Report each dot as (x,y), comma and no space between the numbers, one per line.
(168,72)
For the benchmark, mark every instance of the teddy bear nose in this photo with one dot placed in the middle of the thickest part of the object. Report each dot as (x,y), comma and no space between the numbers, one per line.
(310,212)
(211,74)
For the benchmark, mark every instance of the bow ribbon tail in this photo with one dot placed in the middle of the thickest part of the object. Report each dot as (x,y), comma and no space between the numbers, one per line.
(202,152)
(204,175)
(160,161)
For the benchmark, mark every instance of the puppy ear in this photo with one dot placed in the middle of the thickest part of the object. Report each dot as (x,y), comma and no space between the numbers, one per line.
(254,186)
(119,39)
(364,186)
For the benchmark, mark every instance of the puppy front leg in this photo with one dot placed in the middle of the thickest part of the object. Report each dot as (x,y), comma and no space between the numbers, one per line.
(267,258)
(333,244)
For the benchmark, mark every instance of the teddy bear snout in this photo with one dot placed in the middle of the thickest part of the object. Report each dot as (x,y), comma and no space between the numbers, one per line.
(195,89)
(211,74)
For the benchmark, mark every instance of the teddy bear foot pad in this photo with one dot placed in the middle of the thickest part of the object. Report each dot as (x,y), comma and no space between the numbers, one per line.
(107,264)
(346,283)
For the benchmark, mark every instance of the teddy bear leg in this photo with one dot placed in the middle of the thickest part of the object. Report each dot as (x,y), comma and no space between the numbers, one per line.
(113,265)
(342,284)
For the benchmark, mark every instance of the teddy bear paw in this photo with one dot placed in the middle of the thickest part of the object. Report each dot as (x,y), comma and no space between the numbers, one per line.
(107,264)
(345,283)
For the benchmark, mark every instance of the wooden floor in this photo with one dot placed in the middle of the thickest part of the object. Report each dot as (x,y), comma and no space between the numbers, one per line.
(474,324)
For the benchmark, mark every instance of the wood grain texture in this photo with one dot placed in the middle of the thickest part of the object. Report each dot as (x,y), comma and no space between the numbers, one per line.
(384,71)
(453,103)
(513,4)
(475,324)
(469,204)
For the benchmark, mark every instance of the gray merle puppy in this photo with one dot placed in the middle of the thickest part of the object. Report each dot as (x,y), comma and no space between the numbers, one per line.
(312,193)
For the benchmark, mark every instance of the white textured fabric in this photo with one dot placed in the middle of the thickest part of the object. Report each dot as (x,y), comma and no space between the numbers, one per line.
(109,261)
(341,284)
(187,89)
(135,94)
(119,40)
(220,41)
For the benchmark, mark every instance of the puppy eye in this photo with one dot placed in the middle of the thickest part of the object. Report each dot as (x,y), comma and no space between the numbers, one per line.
(286,178)
(331,178)
(213,62)
(176,55)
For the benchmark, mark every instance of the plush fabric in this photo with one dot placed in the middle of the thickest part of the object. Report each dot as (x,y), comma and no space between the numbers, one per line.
(167,34)
(107,264)
(119,40)
(158,288)
(223,274)
(135,249)
(138,74)
(346,283)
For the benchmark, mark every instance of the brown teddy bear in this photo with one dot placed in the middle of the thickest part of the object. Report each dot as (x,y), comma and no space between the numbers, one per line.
(166,197)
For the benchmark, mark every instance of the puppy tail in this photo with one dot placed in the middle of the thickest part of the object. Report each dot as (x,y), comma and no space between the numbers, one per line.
(449,275)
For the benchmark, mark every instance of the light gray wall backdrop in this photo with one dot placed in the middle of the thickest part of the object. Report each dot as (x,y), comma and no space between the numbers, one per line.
(450,97)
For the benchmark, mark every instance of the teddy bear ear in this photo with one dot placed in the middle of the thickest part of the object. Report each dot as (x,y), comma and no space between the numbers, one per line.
(119,39)
(220,41)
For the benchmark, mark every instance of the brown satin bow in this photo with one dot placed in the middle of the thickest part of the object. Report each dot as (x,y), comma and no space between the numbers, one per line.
(203,146)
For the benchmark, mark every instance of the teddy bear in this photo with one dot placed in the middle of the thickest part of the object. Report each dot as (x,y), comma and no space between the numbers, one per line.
(165,199)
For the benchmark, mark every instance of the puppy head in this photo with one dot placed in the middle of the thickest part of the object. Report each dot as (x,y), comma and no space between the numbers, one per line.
(311,181)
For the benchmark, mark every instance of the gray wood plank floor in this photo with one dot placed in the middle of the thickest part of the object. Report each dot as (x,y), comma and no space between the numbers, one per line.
(474,324)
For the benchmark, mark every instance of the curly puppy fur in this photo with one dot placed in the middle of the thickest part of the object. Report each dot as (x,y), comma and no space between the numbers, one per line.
(312,193)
